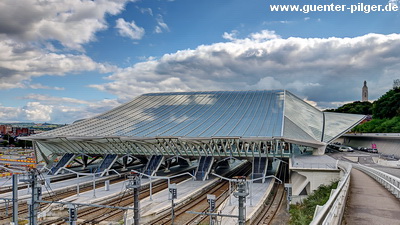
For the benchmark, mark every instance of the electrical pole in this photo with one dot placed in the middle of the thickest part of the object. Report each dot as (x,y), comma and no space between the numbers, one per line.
(211,202)
(73,214)
(173,195)
(241,193)
(15,198)
(134,183)
(33,203)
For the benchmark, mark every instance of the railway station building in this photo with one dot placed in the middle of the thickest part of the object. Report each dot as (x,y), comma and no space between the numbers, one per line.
(210,126)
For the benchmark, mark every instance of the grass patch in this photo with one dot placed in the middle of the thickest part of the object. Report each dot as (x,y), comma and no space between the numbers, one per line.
(302,214)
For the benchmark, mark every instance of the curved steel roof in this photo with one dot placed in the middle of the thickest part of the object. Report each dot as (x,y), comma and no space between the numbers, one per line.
(247,115)
(188,114)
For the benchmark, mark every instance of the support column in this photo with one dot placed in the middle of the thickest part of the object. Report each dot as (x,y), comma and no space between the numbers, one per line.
(15,198)
(124,162)
(85,161)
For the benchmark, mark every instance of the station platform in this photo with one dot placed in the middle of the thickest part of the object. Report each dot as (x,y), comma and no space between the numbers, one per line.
(159,204)
(64,185)
(6,182)
(150,209)
(369,202)
(101,194)
(258,194)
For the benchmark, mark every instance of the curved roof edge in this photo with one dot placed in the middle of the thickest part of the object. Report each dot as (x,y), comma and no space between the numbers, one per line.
(266,114)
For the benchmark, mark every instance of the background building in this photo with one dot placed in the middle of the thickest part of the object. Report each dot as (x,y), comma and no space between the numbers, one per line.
(365,92)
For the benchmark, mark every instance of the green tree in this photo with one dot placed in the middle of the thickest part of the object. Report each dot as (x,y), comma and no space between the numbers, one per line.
(388,105)
(357,107)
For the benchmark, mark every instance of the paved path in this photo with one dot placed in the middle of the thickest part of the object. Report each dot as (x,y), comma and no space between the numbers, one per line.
(369,202)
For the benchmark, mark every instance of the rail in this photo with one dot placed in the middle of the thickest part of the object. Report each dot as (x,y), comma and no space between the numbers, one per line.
(390,182)
(332,211)
(249,183)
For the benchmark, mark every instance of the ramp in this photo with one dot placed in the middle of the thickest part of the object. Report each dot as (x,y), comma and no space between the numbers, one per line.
(65,160)
(259,168)
(153,164)
(106,164)
(204,167)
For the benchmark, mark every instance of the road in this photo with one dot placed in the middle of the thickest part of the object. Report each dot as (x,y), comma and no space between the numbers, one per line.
(365,158)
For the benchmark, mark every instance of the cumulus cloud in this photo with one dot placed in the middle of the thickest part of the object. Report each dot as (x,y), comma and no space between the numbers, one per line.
(9,113)
(319,69)
(20,62)
(37,112)
(72,22)
(44,108)
(130,30)
(35,27)
(230,36)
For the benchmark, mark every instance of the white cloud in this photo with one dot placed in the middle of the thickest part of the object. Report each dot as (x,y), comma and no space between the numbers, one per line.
(37,112)
(161,25)
(130,30)
(43,108)
(9,113)
(34,28)
(264,35)
(394,2)
(320,69)
(230,36)
(41,86)
(72,22)
(54,100)
(311,102)
(19,63)
(146,10)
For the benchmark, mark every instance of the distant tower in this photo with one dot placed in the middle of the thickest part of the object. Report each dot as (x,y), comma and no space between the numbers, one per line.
(365,92)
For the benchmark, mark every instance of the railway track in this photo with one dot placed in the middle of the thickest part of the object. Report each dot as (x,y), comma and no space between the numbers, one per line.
(274,203)
(8,189)
(199,204)
(93,215)
(87,214)
(23,207)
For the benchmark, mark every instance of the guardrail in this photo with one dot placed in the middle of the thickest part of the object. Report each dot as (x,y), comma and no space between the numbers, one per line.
(302,165)
(390,182)
(332,211)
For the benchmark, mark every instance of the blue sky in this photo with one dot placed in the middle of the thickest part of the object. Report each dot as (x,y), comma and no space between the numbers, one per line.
(66,60)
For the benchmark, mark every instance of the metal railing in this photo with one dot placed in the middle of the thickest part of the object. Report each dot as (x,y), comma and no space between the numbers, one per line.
(315,165)
(390,182)
(332,211)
